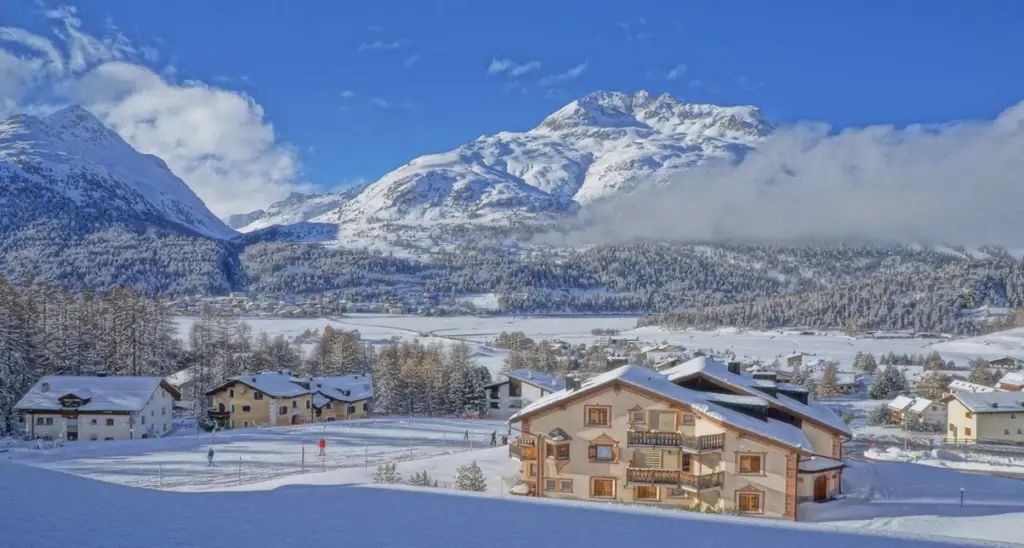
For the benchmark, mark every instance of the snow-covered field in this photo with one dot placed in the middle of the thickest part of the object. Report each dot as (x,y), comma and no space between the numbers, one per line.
(765,345)
(887,504)
(254,455)
(957,460)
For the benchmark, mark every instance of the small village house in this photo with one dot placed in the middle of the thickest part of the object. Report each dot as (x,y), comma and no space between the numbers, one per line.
(961,386)
(906,408)
(281,398)
(1012,382)
(518,388)
(985,417)
(702,435)
(1006,363)
(98,408)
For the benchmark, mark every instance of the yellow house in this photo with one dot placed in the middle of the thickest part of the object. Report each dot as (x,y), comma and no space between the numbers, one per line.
(632,435)
(985,417)
(283,398)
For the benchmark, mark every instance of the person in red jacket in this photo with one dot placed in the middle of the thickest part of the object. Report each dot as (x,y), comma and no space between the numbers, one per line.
(323,447)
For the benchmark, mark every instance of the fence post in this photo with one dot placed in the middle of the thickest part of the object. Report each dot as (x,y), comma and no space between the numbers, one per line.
(239,470)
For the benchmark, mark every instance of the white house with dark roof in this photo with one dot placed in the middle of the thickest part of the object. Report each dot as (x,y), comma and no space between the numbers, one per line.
(98,408)
(985,417)
(519,388)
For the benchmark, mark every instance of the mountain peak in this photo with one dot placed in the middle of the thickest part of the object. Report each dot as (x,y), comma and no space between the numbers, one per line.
(77,122)
(664,113)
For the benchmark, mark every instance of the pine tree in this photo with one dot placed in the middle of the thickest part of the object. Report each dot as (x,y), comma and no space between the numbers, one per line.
(421,479)
(869,365)
(888,384)
(469,477)
(387,473)
(828,387)
(385,381)
(980,373)
(934,384)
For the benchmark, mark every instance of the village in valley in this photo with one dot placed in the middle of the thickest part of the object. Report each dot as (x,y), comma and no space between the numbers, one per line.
(767,424)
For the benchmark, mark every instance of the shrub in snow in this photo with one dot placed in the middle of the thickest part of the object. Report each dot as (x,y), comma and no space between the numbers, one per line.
(386,473)
(888,384)
(469,477)
(914,424)
(847,417)
(880,416)
(421,479)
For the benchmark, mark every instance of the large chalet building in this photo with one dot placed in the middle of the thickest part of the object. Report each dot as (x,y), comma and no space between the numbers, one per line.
(70,408)
(700,435)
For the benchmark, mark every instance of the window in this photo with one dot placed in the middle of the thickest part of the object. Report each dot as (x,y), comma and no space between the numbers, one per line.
(550,485)
(257,395)
(686,462)
(231,393)
(967,432)
(163,410)
(549,450)
(968,414)
(1013,415)
(749,503)
(532,470)
(232,408)
(143,419)
(93,422)
(637,417)
(494,405)
(49,421)
(363,406)
(563,452)
(565,486)
(935,408)
(750,464)
(295,404)
(245,424)
(110,422)
(152,412)
(328,406)
(1020,431)
(40,421)
(246,409)
(165,427)
(952,427)
(687,419)
(283,410)
(351,409)
(597,415)
(602,453)
(1006,432)
(645,492)
(308,404)
(602,488)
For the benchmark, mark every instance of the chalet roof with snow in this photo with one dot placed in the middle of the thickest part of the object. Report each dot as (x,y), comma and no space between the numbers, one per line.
(901,403)
(718,372)
(536,378)
(992,402)
(347,388)
(816,464)
(921,405)
(181,377)
(964,386)
(95,394)
(276,384)
(701,402)
(1015,378)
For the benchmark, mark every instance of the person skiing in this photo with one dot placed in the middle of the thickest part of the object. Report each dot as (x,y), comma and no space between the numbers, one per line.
(494,438)
(209,457)
(323,447)
(504,439)
(466,435)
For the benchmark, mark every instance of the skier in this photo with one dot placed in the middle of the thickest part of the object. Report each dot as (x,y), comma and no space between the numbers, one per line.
(323,447)
(494,438)
(209,457)
(504,439)
(466,435)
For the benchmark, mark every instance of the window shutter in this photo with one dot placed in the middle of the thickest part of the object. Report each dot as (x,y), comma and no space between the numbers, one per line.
(615,453)
(592,452)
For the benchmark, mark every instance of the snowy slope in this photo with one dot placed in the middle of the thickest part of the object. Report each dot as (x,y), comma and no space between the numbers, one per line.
(70,155)
(296,208)
(592,149)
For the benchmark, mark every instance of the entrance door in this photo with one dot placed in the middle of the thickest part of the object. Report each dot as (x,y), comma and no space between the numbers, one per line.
(821,488)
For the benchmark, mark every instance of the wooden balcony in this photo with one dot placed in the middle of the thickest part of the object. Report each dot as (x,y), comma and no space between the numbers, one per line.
(659,476)
(676,440)
(523,448)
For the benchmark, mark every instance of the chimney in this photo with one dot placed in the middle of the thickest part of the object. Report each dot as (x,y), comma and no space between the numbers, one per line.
(734,367)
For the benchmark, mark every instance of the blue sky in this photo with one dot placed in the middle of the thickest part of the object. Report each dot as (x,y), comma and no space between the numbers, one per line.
(360,88)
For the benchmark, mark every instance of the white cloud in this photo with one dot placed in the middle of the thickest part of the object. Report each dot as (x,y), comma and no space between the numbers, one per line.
(348,94)
(218,141)
(513,68)
(565,77)
(676,73)
(634,30)
(957,183)
(412,60)
(380,44)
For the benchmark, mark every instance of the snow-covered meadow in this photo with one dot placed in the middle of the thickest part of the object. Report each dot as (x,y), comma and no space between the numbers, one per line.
(764,345)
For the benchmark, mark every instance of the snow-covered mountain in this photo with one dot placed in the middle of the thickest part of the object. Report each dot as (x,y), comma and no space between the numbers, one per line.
(71,157)
(296,208)
(594,148)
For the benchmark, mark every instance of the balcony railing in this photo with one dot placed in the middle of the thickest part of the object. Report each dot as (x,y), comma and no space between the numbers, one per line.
(675,439)
(657,476)
(523,448)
